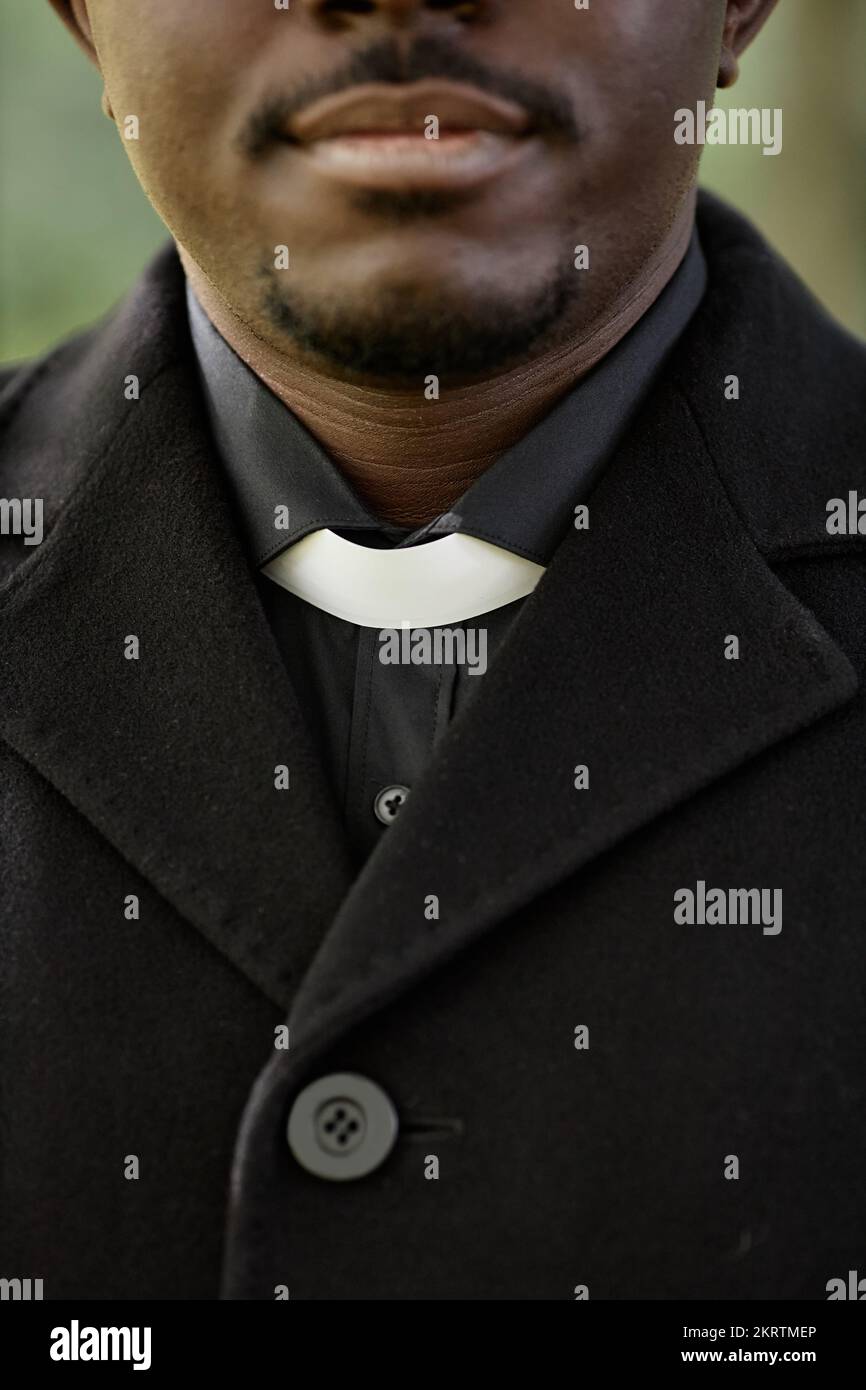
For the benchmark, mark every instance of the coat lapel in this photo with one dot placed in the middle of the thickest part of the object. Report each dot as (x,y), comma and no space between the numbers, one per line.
(172,756)
(617,662)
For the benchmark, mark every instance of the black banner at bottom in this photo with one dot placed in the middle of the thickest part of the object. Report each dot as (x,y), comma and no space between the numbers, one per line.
(161,1339)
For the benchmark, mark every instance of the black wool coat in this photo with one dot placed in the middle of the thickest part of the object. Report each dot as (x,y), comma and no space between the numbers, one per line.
(710,1140)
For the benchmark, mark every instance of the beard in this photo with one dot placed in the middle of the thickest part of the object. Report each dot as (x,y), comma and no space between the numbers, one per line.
(406,331)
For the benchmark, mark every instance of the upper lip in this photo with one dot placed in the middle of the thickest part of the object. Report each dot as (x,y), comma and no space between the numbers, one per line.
(392,107)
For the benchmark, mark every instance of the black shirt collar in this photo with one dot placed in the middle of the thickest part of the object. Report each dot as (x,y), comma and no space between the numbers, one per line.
(523,502)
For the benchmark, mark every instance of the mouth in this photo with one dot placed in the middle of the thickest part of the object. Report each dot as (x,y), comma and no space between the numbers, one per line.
(423,135)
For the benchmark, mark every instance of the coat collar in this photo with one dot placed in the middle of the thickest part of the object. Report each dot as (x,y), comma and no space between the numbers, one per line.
(616,662)
(172,756)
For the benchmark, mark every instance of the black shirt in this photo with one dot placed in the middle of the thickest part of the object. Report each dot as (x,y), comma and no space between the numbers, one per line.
(377,724)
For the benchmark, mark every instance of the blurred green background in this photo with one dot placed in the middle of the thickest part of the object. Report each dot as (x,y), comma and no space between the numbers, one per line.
(77,229)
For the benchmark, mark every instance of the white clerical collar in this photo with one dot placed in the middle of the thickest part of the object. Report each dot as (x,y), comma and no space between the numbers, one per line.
(431,585)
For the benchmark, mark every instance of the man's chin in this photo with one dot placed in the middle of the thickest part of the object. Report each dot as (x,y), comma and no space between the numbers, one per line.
(408,335)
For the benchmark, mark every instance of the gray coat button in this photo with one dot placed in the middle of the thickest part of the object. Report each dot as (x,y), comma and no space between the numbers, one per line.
(342,1126)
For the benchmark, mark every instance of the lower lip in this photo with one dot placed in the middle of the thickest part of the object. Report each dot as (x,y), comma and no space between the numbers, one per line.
(408,161)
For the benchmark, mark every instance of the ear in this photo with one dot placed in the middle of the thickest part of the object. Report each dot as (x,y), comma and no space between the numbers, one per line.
(743,20)
(77,20)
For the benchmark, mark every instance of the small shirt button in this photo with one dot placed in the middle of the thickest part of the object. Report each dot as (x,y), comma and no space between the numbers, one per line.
(388,802)
(342,1127)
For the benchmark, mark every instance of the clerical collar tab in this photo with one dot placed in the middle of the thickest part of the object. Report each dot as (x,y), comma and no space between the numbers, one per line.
(449,580)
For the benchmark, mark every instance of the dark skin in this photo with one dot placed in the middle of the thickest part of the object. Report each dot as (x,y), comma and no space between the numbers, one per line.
(470,278)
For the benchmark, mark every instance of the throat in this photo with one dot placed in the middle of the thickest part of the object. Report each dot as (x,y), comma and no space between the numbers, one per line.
(408,463)
(409,459)
(411,497)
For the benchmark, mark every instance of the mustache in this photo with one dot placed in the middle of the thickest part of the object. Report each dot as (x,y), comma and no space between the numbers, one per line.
(387,61)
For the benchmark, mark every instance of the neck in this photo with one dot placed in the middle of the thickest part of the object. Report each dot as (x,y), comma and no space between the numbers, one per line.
(370,433)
